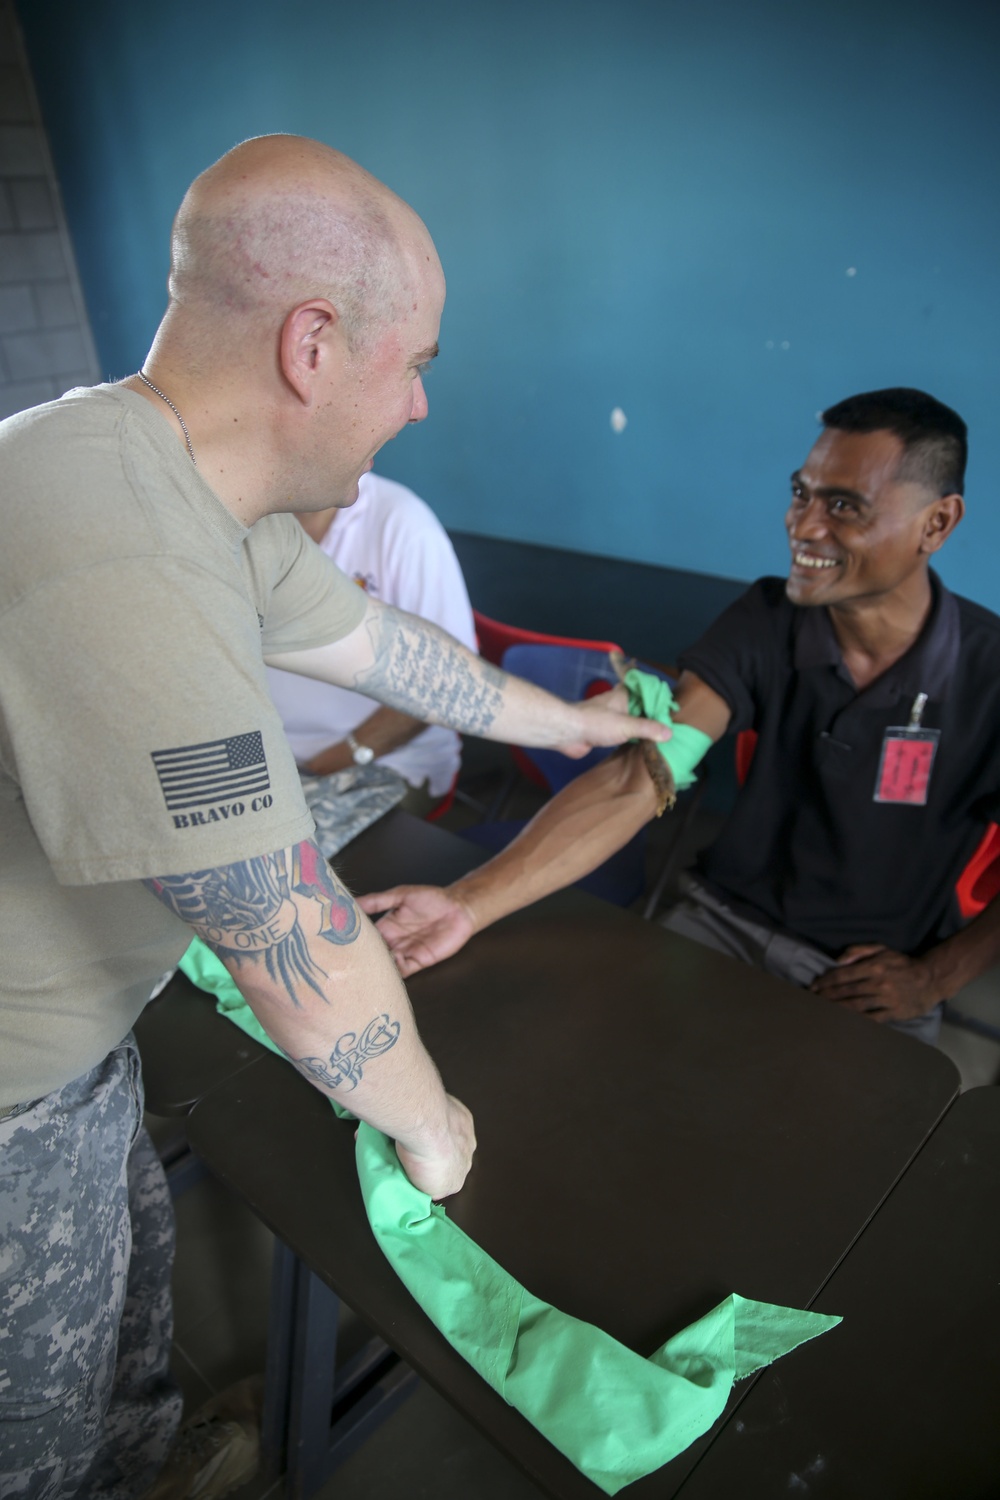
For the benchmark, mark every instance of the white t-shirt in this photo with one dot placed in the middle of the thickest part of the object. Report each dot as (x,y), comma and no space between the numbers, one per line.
(396,549)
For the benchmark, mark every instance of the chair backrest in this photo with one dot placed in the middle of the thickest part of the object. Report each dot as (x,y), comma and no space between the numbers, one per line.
(746,744)
(978,883)
(570,671)
(573,672)
(494,638)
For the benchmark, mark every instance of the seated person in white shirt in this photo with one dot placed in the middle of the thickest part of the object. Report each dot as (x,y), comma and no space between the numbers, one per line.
(394,547)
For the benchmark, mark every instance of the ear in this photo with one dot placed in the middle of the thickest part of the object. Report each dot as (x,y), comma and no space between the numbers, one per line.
(310,336)
(941,518)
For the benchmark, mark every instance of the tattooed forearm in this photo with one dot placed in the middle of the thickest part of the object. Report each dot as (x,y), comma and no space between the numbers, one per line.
(344,1068)
(250,912)
(422,671)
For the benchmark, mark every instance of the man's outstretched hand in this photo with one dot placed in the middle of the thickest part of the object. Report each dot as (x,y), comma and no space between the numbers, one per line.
(881,983)
(422,924)
(605,722)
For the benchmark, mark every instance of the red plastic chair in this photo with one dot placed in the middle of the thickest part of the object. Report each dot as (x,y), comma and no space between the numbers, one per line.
(575,670)
(979,882)
(746,744)
(572,672)
(446,803)
(494,637)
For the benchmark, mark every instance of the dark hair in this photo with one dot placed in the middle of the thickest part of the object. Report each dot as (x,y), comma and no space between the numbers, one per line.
(935,445)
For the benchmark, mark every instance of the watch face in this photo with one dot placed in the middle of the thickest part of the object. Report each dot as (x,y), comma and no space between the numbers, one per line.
(363,755)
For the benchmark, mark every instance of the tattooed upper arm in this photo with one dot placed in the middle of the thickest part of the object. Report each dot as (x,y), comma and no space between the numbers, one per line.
(421,670)
(260,912)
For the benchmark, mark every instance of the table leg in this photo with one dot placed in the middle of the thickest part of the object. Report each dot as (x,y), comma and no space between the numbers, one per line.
(315,1414)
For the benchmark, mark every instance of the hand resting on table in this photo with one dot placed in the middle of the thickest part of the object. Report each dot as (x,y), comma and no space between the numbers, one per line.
(422,924)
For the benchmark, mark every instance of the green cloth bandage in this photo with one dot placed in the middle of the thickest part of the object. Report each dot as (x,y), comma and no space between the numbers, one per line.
(613,1414)
(650,697)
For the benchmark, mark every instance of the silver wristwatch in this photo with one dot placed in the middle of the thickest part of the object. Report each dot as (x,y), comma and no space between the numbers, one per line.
(362,755)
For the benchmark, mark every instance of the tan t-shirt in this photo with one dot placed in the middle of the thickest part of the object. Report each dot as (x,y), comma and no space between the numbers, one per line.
(137,736)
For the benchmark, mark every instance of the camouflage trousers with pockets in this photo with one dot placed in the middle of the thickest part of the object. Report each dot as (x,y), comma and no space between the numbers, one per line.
(87,1405)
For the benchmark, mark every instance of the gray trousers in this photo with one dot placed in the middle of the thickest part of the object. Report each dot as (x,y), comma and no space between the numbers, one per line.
(702,916)
(87,1405)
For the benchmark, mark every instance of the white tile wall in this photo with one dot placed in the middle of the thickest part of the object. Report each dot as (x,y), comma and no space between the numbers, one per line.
(46,346)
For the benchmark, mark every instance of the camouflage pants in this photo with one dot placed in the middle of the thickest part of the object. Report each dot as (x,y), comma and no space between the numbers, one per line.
(87,1405)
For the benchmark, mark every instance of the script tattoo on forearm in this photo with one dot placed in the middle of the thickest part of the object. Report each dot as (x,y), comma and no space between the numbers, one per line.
(420,670)
(344,1068)
(246,912)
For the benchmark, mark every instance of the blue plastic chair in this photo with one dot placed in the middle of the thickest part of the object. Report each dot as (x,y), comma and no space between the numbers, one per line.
(573,673)
(570,672)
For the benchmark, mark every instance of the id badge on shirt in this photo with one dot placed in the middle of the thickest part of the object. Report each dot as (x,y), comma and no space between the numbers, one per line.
(907,759)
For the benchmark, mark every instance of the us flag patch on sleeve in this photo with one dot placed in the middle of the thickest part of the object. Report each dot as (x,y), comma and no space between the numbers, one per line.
(193,776)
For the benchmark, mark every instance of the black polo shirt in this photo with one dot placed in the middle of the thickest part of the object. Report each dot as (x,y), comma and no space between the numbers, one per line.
(807,846)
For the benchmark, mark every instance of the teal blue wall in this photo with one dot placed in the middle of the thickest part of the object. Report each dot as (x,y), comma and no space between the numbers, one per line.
(651,204)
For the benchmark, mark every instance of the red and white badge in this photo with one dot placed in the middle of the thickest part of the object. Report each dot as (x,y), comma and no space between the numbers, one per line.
(904,770)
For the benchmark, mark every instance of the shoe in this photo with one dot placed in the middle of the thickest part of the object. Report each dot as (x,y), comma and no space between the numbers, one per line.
(216,1451)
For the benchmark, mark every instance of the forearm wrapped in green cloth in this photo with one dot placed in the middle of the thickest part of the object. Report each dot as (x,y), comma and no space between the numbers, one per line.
(650,697)
(614,1414)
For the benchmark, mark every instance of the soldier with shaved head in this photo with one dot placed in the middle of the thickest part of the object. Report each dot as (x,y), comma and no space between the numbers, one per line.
(151,568)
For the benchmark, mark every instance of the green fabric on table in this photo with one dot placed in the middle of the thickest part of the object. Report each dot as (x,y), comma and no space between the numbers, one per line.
(614,1414)
(209,973)
(650,697)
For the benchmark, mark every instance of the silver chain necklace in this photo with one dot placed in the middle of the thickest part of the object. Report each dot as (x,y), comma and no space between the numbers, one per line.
(156,389)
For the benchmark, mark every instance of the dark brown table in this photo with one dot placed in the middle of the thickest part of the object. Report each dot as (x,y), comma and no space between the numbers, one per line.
(904,1400)
(658,1126)
(187,1048)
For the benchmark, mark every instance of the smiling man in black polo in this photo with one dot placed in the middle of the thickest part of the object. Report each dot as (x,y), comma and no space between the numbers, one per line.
(874,694)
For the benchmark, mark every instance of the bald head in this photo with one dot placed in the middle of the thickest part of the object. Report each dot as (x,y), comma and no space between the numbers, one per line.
(281,219)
